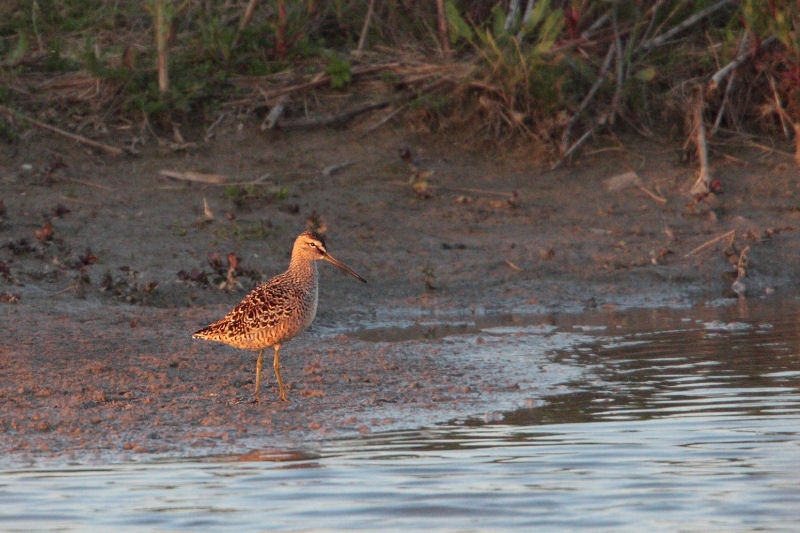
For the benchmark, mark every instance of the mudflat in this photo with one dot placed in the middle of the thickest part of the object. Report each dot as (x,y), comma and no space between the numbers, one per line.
(108,264)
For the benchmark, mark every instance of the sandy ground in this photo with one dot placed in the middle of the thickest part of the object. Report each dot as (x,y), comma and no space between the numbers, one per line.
(107,267)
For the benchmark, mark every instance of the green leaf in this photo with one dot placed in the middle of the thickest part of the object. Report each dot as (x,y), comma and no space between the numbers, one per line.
(538,13)
(499,24)
(18,53)
(550,30)
(339,71)
(646,74)
(458,26)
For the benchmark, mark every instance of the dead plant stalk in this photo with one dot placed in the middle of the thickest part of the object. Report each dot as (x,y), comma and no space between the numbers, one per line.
(730,234)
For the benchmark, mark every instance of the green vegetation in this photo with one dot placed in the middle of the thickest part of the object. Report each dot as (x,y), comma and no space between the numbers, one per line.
(550,71)
(242,194)
(255,231)
(339,71)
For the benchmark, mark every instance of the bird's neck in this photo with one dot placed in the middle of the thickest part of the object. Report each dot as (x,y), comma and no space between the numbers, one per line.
(304,270)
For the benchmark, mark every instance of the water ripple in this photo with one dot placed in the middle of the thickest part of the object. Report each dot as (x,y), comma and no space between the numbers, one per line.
(675,421)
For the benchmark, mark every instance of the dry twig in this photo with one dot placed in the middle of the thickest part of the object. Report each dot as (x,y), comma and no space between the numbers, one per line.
(198,177)
(601,76)
(88,184)
(363,38)
(730,234)
(246,18)
(744,54)
(210,130)
(441,26)
(275,113)
(383,121)
(330,170)
(577,144)
(631,179)
(75,137)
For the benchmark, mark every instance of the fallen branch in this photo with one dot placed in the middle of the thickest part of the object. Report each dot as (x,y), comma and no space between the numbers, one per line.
(197,177)
(631,179)
(275,113)
(731,233)
(74,136)
(214,179)
(330,170)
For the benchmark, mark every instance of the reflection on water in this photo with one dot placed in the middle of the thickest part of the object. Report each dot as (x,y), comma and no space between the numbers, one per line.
(686,420)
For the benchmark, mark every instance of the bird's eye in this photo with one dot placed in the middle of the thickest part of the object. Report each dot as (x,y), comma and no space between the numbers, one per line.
(312,244)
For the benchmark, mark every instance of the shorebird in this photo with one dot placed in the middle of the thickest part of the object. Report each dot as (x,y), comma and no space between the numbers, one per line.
(278,309)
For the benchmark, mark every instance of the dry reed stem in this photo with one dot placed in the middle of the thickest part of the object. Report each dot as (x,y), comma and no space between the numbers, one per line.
(162,35)
(744,54)
(702,185)
(363,37)
(731,234)
(441,25)
(589,97)
(197,177)
(244,22)
(689,21)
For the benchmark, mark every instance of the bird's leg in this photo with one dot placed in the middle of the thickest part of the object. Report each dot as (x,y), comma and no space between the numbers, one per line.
(276,364)
(259,364)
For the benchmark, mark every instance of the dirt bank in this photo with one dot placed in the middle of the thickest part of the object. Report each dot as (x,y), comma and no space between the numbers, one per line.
(108,266)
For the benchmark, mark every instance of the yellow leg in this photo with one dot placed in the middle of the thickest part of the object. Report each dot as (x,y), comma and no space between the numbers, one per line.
(276,364)
(259,364)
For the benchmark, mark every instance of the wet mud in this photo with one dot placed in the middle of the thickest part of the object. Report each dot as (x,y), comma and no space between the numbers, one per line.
(107,267)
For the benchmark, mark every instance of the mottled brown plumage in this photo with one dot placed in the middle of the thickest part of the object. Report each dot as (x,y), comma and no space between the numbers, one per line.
(278,309)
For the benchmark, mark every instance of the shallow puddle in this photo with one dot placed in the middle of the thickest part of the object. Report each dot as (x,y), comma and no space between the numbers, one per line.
(671,420)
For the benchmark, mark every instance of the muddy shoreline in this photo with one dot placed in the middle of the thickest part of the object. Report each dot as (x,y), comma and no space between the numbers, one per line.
(98,363)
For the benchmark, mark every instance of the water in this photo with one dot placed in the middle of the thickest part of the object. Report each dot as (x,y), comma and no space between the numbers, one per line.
(680,420)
